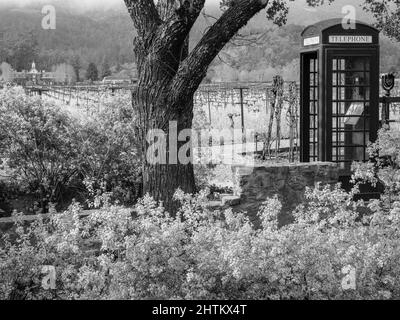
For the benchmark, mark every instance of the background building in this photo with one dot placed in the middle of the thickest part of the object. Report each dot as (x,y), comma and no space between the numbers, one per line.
(33,77)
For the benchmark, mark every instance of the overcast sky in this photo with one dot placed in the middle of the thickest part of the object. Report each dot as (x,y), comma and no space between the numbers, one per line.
(79,3)
(105,3)
(75,3)
(299,9)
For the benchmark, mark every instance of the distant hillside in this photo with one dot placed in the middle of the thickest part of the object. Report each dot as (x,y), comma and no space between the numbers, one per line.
(90,38)
(90,34)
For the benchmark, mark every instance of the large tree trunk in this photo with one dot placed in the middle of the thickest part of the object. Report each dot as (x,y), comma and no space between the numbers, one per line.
(162,180)
(169,77)
(156,112)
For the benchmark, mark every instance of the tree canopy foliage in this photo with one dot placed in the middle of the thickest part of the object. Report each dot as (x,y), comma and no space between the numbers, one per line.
(92,72)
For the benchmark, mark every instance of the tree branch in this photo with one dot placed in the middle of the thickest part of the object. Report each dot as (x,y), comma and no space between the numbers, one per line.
(144,15)
(179,22)
(194,68)
(169,39)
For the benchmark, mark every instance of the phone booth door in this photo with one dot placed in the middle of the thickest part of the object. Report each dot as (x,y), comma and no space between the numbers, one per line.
(309,116)
(349,104)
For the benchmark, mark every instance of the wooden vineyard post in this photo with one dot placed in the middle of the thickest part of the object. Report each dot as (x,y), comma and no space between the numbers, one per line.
(292,117)
(278,93)
(77,96)
(241,103)
(242,110)
(276,113)
(209,105)
(267,141)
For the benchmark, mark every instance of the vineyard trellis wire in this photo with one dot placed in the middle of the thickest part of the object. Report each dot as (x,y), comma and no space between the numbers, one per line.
(241,106)
(232,106)
(262,108)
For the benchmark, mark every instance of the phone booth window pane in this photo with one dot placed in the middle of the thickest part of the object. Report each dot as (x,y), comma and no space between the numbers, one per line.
(342,108)
(350,104)
(313,109)
(342,79)
(312,94)
(355,154)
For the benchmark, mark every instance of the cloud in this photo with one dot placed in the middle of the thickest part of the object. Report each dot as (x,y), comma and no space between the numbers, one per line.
(79,5)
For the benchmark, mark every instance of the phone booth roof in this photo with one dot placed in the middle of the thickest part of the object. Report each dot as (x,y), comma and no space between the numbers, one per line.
(331,32)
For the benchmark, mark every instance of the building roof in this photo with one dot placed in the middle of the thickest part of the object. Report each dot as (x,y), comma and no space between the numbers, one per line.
(117,77)
(33,69)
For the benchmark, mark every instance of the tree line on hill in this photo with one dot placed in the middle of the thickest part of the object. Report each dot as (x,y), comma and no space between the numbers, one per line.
(104,38)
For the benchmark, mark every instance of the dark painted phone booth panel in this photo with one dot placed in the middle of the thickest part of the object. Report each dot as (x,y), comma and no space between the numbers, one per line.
(339,92)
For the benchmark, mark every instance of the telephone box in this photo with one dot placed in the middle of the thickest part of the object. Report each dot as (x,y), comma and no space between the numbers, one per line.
(339,92)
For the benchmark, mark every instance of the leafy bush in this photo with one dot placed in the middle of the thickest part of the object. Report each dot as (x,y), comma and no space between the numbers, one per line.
(109,151)
(38,144)
(53,153)
(384,168)
(203,254)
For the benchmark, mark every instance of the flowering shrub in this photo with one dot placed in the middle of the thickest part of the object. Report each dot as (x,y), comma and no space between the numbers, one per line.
(203,254)
(383,169)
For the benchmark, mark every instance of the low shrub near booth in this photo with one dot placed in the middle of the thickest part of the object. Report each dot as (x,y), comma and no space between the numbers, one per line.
(384,168)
